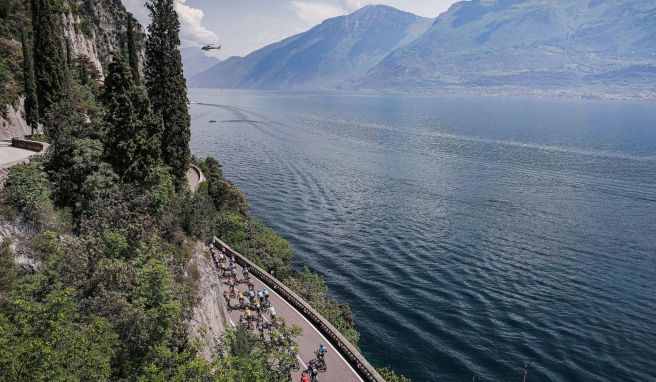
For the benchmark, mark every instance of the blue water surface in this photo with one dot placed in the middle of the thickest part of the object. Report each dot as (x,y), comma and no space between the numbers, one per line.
(468,234)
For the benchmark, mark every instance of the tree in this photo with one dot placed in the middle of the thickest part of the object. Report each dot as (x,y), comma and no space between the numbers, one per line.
(133,55)
(133,139)
(227,197)
(31,102)
(50,341)
(49,55)
(167,87)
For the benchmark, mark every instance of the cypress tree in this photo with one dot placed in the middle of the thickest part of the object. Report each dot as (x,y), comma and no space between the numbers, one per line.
(31,102)
(133,140)
(133,56)
(49,56)
(166,85)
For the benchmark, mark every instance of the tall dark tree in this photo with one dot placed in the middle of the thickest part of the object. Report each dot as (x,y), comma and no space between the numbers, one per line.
(133,55)
(133,138)
(31,102)
(49,55)
(167,87)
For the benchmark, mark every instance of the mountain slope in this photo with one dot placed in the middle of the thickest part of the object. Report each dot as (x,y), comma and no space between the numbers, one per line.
(337,51)
(195,61)
(527,43)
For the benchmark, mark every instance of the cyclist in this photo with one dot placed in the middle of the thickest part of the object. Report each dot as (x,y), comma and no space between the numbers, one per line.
(304,377)
(246,270)
(272,313)
(226,295)
(313,370)
(321,352)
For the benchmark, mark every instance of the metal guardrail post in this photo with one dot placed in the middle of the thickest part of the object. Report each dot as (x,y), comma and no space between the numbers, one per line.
(350,353)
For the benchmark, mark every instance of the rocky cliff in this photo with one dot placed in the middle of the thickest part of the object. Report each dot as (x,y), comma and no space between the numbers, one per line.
(92,28)
(208,321)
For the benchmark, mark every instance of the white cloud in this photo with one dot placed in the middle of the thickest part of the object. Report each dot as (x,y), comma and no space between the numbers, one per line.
(191,25)
(313,12)
(192,30)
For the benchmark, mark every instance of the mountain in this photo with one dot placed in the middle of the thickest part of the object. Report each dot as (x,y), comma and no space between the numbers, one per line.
(195,61)
(528,43)
(332,54)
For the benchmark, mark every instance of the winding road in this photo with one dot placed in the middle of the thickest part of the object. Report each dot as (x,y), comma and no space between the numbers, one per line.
(338,368)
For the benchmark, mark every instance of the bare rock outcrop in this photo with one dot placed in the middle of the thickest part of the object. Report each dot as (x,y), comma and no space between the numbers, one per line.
(210,316)
(14,124)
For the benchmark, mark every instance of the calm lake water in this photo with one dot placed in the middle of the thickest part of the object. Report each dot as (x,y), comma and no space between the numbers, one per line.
(468,234)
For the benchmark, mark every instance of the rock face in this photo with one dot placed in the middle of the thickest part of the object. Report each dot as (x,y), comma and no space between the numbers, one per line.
(92,28)
(208,321)
(332,54)
(79,42)
(14,125)
(97,28)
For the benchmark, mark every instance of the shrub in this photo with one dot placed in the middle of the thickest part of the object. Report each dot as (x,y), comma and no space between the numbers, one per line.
(391,376)
(227,197)
(27,190)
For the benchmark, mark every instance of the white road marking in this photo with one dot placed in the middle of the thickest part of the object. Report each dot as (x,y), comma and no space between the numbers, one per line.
(232,323)
(302,363)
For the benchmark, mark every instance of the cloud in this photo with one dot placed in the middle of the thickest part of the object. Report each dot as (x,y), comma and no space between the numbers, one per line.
(191,25)
(313,12)
(192,31)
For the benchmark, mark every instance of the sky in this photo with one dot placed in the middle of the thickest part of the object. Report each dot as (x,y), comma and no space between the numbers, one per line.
(242,26)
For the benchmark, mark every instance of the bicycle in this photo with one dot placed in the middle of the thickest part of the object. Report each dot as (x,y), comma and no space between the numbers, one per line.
(321,362)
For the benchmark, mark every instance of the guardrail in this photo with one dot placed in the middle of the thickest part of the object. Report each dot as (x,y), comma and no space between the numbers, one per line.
(199,175)
(350,353)
(26,144)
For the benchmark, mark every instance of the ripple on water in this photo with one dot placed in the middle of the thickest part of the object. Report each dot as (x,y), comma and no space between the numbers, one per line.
(462,249)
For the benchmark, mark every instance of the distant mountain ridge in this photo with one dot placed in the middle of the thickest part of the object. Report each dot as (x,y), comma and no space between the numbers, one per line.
(339,50)
(592,46)
(195,61)
(533,43)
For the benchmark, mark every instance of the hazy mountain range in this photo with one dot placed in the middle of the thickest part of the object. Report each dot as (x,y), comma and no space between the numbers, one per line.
(196,61)
(581,46)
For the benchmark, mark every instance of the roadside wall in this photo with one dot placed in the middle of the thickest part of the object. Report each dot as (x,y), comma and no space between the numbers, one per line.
(209,318)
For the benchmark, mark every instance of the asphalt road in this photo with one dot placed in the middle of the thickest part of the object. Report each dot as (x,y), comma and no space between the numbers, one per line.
(338,370)
(10,155)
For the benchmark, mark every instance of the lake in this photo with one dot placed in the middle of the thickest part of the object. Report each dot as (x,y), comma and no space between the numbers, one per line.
(468,234)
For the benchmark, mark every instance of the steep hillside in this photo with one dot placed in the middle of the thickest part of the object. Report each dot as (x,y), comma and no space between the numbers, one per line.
(92,28)
(528,43)
(335,52)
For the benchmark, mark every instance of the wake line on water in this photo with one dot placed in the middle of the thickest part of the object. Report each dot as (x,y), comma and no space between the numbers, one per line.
(528,145)
(468,138)
(541,147)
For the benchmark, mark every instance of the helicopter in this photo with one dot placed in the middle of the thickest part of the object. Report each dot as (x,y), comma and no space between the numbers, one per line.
(211,47)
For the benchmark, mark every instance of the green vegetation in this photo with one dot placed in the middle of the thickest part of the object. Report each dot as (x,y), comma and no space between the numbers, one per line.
(133,140)
(391,376)
(167,87)
(49,55)
(27,190)
(29,82)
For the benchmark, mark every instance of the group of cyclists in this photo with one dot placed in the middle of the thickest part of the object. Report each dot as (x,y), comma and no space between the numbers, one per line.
(255,304)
